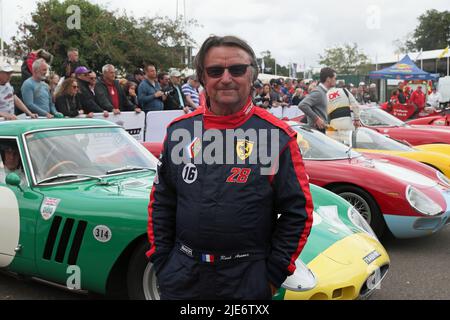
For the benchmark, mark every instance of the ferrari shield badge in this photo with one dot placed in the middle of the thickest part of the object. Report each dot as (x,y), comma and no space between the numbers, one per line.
(244,148)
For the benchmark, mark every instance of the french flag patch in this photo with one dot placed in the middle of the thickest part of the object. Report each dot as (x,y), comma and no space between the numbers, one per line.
(207,258)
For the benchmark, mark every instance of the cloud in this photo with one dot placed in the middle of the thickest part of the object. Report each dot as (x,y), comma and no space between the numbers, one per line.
(292,30)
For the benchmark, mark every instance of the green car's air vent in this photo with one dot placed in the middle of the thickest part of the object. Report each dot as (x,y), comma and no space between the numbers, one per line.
(64,243)
(52,237)
(76,244)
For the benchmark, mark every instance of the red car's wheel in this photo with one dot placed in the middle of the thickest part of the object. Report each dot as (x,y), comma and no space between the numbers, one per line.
(365,204)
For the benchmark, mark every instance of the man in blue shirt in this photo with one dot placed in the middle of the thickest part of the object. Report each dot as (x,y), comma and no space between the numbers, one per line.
(150,96)
(36,93)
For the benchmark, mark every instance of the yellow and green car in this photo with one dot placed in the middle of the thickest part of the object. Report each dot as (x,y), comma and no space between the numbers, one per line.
(73,212)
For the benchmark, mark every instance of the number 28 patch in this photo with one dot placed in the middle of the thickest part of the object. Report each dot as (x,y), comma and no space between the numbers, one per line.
(239,175)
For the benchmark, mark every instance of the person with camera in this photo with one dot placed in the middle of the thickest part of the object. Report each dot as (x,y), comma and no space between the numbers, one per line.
(175,97)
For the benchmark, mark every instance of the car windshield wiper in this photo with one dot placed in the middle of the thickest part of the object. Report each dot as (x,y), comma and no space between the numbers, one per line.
(127,169)
(70,175)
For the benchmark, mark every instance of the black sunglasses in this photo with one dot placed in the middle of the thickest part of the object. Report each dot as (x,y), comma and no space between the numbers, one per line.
(236,70)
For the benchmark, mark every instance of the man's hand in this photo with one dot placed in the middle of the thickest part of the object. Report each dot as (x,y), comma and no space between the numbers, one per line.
(116,111)
(10,117)
(186,110)
(320,123)
(49,116)
(106,114)
(138,110)
(90,115)
(33,115)
(357,123)
(159,94)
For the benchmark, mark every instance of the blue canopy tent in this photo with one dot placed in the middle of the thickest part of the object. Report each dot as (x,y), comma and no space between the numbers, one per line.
(405,69)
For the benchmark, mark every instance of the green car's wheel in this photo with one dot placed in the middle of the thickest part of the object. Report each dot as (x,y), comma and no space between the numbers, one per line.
(365,204)
(141,277)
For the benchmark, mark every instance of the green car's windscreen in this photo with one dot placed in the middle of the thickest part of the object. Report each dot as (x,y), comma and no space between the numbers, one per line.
(90,151)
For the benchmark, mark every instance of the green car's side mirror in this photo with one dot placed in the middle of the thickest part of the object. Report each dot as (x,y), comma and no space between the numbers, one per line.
(13,179)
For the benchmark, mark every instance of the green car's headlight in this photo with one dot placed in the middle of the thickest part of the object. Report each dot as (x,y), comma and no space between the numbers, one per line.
(422,203)
(443,178)
(357,219)
(303,278)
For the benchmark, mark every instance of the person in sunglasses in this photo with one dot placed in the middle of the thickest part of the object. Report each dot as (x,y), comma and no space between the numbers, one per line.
(213,228)
(68,99)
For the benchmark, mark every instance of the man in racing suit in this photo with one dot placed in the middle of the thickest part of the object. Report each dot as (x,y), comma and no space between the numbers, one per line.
(228,229)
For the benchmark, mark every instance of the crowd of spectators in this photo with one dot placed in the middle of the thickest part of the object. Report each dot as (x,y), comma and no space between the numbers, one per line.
(81,91)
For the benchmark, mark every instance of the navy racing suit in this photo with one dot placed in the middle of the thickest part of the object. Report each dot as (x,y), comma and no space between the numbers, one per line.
(225,230)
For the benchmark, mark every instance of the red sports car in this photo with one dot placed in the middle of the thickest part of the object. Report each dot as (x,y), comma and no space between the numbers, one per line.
(385,123)
(437,120)
(381,187)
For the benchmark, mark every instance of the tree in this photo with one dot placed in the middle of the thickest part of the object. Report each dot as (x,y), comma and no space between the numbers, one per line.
(345,59)
(433,31)
(104,37)
(269,63)
(404,45)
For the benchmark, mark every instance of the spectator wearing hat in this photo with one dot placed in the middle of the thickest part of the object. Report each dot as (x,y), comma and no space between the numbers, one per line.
(190,91)
(150,95)
(7,97)
(109,94)
(86,90)
(175,97)
(36,92)
(71,63)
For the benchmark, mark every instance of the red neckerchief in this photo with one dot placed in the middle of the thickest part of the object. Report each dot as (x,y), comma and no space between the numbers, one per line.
(232,121)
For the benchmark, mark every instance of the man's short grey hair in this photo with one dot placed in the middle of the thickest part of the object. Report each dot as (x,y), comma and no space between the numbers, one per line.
(107,67)
(37,65)
(226,41)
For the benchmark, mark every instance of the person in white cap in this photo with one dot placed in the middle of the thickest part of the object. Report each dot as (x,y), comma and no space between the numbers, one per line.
(176,100)
(7,97)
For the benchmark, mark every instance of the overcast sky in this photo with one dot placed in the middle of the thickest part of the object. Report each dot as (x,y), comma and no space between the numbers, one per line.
(294,31)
